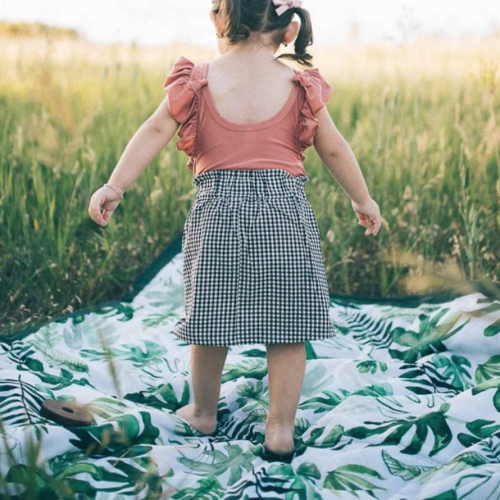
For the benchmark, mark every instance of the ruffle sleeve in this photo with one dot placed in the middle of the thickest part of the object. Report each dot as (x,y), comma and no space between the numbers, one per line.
(182,87)
(317,94)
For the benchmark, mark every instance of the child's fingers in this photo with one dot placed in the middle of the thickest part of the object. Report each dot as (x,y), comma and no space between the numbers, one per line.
(373,226)
(364,220)
(371,222)
(106,215)
(99,211)
(376,227)
(96,203)
(93,206)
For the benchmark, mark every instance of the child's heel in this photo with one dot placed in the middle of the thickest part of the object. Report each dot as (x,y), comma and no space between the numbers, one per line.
(270,456)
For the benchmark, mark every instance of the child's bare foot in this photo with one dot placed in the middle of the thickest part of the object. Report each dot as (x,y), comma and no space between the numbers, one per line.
(279,438)
(204,425)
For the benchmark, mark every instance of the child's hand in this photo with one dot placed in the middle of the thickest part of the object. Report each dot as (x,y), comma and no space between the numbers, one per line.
(369,216)
(102,205)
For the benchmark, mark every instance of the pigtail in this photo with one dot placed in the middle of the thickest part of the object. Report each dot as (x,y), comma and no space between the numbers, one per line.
(303,40)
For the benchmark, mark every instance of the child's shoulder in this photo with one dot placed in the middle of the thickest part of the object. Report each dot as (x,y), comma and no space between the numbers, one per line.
(317,92)
(317,89)
(182,85)
(183,69)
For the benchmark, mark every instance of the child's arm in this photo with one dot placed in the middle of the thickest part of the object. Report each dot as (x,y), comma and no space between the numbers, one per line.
(151,137)
(339,158)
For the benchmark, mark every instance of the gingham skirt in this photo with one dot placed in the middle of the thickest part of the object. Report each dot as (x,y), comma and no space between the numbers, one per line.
(253,270)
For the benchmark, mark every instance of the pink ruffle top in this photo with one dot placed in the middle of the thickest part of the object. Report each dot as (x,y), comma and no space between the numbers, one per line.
(211,142)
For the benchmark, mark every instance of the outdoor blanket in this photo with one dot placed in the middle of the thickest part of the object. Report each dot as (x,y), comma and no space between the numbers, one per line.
(403,404)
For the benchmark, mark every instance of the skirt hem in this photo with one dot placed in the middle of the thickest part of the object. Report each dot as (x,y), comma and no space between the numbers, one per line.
(263,340)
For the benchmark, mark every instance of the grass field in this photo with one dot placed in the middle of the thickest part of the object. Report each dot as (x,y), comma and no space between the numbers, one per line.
(422,119)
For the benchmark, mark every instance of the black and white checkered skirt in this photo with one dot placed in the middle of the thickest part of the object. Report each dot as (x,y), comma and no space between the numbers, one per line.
(253,269)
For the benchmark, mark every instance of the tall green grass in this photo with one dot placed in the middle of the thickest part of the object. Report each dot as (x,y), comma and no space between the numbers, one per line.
(428,145)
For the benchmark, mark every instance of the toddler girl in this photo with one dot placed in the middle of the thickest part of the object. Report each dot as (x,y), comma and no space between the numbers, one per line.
(253,268)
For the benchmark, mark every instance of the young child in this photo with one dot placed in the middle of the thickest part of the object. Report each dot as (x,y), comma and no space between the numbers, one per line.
(253,266)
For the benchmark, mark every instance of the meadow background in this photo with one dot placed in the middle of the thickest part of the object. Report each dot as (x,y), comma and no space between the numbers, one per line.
(422,119)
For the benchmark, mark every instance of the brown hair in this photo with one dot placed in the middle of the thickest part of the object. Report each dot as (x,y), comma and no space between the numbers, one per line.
(243,17)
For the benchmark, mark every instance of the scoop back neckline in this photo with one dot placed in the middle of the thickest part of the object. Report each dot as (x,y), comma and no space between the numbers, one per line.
(247,126)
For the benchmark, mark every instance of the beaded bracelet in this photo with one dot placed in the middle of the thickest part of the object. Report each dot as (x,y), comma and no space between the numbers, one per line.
(114,189)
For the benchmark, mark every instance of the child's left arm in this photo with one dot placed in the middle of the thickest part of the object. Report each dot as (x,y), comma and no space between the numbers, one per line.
(151,137)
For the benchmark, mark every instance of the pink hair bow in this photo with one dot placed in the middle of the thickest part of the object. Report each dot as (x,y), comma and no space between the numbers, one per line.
(284,5)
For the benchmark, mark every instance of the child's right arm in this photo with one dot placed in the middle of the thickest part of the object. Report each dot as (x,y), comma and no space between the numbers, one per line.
(151,137)
(339,158)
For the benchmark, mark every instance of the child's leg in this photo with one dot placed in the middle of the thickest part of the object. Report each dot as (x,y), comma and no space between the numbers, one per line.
(286,367)
(207,363)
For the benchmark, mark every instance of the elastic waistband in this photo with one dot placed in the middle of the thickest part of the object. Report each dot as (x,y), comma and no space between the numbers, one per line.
(260,183)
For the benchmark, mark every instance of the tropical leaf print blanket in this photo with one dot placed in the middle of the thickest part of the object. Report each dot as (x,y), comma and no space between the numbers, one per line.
(403,404)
